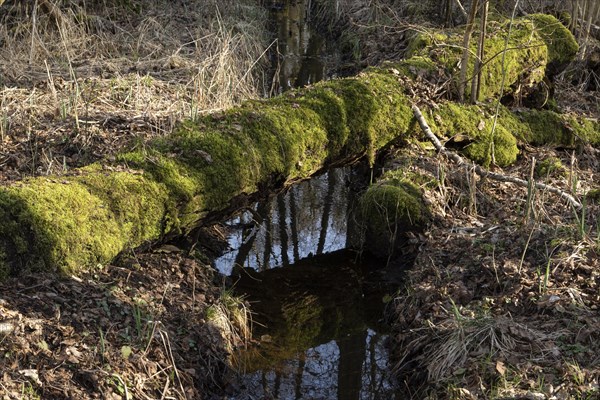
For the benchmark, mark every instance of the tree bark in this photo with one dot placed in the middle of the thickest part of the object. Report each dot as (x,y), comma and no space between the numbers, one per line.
(465,56)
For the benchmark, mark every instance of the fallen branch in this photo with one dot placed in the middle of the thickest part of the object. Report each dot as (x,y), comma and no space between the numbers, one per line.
(481,171)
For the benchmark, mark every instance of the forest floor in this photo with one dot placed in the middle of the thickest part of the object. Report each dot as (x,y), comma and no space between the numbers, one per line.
(497,305)
(503,301)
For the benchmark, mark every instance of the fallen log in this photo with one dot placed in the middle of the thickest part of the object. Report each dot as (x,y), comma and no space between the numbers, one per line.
(84,219)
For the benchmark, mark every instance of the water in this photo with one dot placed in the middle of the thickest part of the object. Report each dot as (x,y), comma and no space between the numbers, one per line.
(302,54)
(321,332)
(309,219)
(318,305)
(318,373)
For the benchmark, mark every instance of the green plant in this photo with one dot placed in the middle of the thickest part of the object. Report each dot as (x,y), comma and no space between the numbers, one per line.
(120,386)
(102,345)
(543,279)
(551,166)
(28,392)
(580,219)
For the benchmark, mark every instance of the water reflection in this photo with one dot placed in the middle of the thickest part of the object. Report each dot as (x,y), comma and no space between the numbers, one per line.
(320,327)
(354,367)
(300,49)
(309,219)
(317,306)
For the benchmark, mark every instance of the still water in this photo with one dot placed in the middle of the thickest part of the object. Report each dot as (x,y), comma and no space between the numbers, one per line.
(312,218)
(318,304)
(303,56)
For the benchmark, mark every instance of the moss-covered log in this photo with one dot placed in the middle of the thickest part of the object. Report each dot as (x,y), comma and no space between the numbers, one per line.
(539,45)
(87,218)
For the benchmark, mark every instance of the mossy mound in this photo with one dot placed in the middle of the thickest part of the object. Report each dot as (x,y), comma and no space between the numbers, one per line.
(475,126)
(550,166)
(562,45)
(543,127)
(539,45)
(389,208)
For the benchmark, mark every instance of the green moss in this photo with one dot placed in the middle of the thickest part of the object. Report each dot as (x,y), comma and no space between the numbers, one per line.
(476,123)
(550,166)
(87,219)
(388,208)
(565,18)
(584,129)
(562,46)
(535,42)
(543,127)
(420,41)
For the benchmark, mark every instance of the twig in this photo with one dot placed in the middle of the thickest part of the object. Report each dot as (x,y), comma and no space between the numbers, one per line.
(461,8)
(481,171)
(167,345)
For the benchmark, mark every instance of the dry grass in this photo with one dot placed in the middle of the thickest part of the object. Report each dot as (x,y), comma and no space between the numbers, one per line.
(99,76)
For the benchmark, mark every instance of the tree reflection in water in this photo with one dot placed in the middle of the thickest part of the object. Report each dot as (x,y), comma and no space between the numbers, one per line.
(354,368)
(309,219)
(319,308)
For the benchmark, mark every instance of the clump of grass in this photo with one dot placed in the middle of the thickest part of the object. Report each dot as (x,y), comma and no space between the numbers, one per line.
(233,319)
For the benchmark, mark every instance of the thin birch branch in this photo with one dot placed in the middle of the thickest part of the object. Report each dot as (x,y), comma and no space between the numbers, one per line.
(481,171)
(461,8)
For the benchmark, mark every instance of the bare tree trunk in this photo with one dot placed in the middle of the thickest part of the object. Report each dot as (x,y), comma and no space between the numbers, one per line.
(584,13)
(248,240)
(352,356)
(294,226)
(476,84)
(328,200)
(448,11)
(574,15)
(268,240)
(298,378)
(461,8)
(592,15)
(462,83)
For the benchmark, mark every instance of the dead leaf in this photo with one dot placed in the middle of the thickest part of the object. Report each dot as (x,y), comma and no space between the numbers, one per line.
(168,248)
(32,374)
(500,367)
